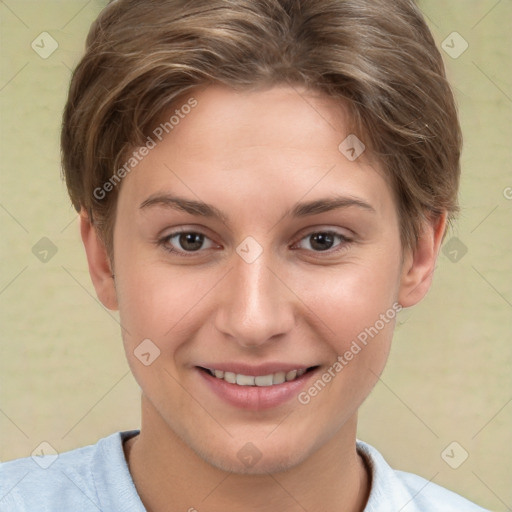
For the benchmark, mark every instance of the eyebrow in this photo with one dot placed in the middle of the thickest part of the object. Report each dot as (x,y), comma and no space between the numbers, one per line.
(201,209)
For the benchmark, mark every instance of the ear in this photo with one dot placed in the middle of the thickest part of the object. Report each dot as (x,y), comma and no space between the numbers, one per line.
(419,264)
(99,263)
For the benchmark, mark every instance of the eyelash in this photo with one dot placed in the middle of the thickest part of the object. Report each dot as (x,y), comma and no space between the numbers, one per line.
(164,242)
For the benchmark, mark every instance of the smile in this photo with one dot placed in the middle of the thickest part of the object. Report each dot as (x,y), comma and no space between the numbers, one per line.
(271,379)
(266,386)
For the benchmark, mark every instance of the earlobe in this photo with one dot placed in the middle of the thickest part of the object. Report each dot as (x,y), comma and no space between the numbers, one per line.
(419,265)
(99,263)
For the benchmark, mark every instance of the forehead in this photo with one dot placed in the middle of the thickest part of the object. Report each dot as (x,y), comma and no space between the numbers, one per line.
(281,143)
(279,119)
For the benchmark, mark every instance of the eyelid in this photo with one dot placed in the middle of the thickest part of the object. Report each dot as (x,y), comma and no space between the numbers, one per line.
(345,233)
(345,240)
(164,241)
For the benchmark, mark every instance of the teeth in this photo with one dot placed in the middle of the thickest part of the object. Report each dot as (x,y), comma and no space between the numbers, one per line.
(260,380)
(230,377)
(263,380)
(279,378)
(244,380)
(291,375)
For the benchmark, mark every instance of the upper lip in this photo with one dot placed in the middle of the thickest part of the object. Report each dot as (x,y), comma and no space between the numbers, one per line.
(255,370)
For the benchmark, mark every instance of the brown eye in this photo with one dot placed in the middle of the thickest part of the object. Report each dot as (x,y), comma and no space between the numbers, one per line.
(323,241)
(186,242)
(191,241)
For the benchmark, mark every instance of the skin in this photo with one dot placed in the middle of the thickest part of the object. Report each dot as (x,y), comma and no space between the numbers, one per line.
(254,156)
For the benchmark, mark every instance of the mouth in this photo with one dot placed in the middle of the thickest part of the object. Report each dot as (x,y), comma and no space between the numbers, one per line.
(270,379)
(256,389)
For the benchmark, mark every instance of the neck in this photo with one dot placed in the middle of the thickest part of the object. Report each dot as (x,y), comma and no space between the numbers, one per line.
(167,471)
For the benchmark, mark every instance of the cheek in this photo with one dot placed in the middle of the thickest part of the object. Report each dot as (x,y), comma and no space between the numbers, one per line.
(156,304)
(159,302)
(358,318)
(351,299)
(356,307)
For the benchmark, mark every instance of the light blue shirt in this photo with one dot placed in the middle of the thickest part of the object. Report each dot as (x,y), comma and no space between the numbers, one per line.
(96,478)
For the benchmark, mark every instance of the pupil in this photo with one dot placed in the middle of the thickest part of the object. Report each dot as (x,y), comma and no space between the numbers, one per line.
(320,239)
(191,241)
(194,241)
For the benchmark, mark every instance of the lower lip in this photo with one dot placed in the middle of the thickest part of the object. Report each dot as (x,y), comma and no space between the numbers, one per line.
(255,397)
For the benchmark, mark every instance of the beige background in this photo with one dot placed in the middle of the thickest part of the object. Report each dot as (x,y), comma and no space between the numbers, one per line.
(64,378)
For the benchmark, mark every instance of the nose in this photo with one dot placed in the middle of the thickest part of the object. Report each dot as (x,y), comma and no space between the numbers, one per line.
(255,306)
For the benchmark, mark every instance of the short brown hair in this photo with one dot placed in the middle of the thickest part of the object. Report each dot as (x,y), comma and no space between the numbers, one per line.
(378,56)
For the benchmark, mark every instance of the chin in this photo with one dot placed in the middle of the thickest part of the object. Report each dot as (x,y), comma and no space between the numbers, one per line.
(250,460)
(276,463)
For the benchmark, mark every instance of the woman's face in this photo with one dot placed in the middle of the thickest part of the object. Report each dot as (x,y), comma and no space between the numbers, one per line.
(248,243)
